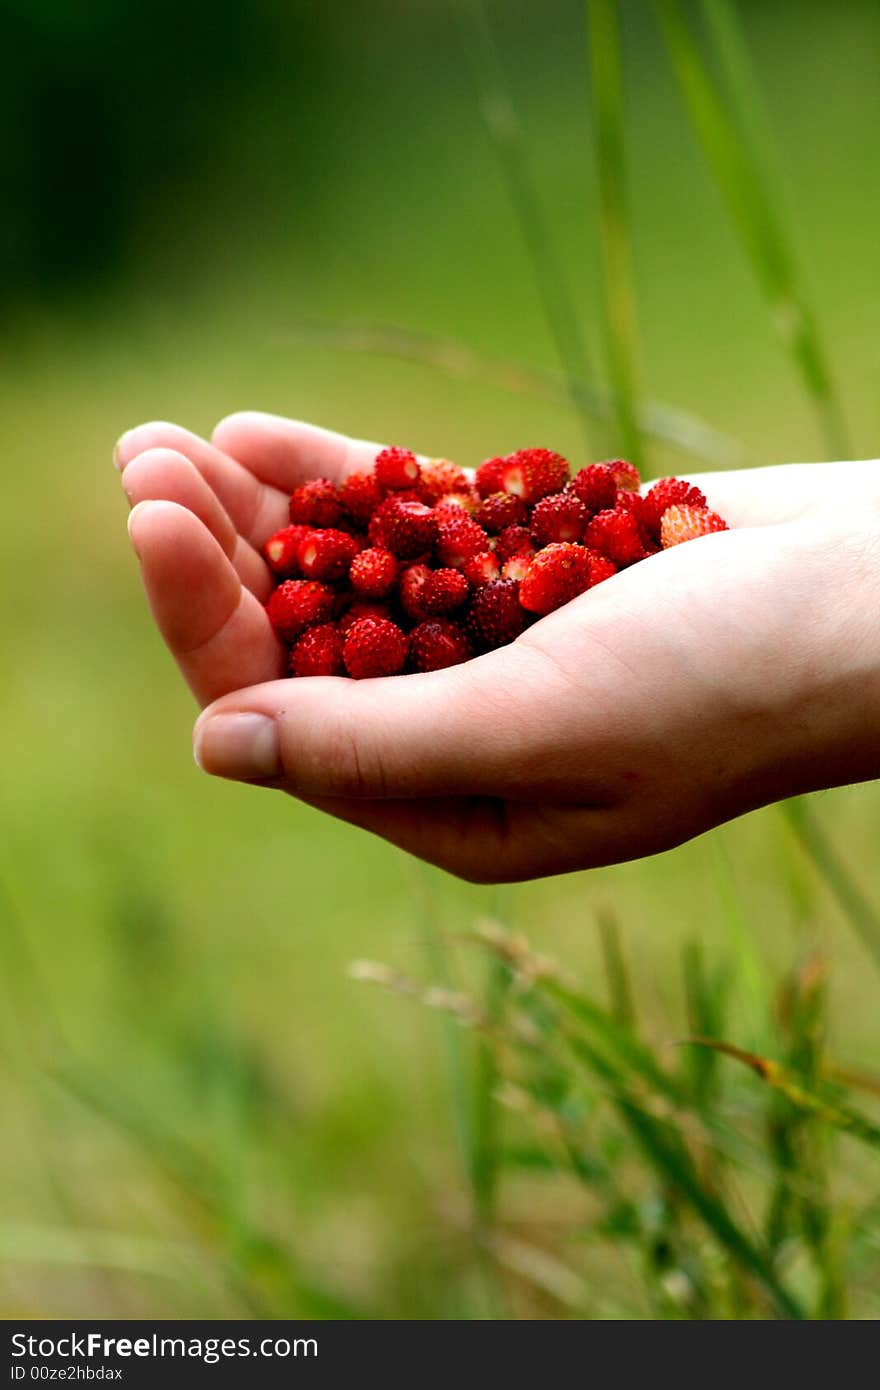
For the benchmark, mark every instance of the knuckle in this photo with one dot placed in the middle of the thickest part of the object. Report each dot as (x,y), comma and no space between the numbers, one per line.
(347,762)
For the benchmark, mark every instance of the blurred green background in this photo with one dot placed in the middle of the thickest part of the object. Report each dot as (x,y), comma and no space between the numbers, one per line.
(202,1114)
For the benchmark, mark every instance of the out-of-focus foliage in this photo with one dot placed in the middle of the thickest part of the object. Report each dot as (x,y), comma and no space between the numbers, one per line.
(202,1113)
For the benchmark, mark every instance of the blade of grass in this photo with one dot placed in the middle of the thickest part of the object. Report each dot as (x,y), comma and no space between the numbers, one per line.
(664,1147)
(705,999)
(667,424)
(623,1007)
(833,1112)
(502,123)
(731,134)
(621,329)
(471,1091)
(487,1156)
(744,947)
(820,849)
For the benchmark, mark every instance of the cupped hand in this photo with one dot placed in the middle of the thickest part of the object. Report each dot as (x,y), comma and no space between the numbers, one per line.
(709,679)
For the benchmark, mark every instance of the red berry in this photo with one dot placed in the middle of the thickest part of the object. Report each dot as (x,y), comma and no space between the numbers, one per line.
(373,572)
(318,652)
(495,616)
(514,540)
(560,517)
(396,469)
(405,528)
(326,554)
(687,523)
(360,496)
(363,609)
(557,574)
(374,647)
(464,501)
(637,506)
(450,507)
(444,590)
(481,569)
(411,587)
(458,539)
(616,533)
(670,492)
(595,487)
(626,475)
(439,477)
(488,477)
(316,503)
(280,550)
(438,643)
(517,567)
(533,473)
(297,604)
(601,568)
(499,510)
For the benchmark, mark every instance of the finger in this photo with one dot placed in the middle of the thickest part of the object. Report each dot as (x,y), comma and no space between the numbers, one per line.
(789,491)
(216,630)
(471,729)
(254,509)
(162,474)
(284,453)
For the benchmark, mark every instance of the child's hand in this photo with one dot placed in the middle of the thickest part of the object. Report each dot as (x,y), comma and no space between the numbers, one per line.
(715,677)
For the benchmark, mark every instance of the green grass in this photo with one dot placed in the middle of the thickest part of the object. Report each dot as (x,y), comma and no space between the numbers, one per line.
(203,1113)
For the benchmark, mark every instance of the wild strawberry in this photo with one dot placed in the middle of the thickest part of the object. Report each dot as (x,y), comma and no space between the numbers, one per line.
(280,550)
(297,604)
(439,477)
(495,616)
(316,503)
(616,533)
(373,572)
(412,583)
(670,492)
(557,574)
(450,507)
(626,475)
(466,501)
(560,517)
(374,647)
(687,523)
(326,554)
(488,477)
(318,652)
(601,568)
(458,539)
(438,643)
(362,609)
(514,540)
(595,487)
(533,473)
(395,469)
(517,567)
(444,591)
(360,495)
(637,506)
(481,569)
(498,510)
(405,528)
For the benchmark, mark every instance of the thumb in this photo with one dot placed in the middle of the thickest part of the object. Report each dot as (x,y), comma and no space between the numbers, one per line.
(449,732)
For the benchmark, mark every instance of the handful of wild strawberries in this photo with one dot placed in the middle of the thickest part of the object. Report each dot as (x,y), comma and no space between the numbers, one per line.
(415,567)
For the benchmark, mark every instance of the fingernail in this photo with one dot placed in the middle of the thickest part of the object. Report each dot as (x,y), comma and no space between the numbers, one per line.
(130,521)
(117,450)
(243,746)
